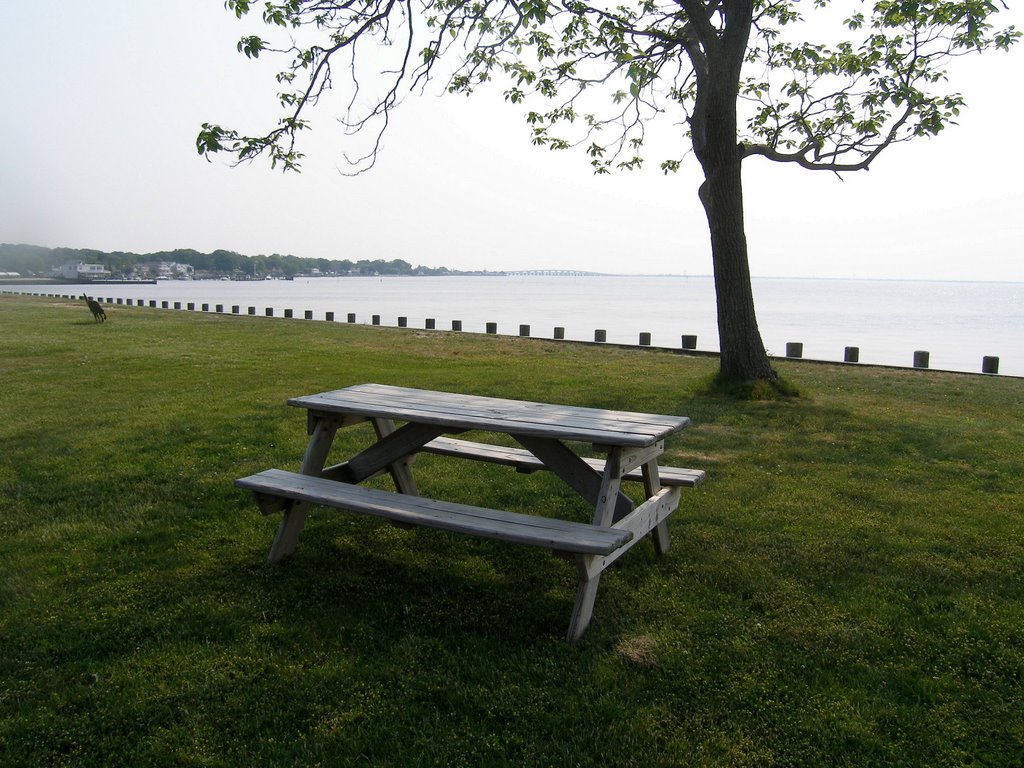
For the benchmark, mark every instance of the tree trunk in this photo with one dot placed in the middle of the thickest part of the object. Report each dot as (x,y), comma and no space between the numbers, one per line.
(713,129)
(743,354)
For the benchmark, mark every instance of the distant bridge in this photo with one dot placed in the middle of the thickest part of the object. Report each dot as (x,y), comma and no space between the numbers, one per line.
(556,273)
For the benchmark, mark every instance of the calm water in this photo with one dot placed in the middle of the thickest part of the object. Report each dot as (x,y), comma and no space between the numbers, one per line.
(958,323)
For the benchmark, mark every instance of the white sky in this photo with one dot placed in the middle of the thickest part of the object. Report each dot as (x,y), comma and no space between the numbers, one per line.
(102,101)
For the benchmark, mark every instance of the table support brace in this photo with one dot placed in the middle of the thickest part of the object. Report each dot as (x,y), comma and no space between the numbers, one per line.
(576,473)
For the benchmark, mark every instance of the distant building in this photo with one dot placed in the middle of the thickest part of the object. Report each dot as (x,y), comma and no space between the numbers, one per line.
(172,270)
(82,271)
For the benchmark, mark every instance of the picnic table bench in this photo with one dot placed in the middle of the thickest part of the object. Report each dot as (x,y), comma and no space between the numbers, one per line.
(630,444)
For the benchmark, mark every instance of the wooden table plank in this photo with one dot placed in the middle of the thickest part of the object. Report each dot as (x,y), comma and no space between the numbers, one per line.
(488,407)
(496,414)
(535,410)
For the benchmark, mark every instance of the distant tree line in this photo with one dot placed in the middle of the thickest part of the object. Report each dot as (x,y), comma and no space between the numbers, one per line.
(32,260)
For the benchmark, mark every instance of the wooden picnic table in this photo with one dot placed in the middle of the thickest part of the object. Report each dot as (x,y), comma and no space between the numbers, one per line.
(629,444)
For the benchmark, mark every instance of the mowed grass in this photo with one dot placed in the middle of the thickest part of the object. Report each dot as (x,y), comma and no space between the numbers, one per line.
(845,589)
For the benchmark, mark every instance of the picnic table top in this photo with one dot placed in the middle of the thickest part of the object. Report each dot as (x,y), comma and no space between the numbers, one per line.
(523,417)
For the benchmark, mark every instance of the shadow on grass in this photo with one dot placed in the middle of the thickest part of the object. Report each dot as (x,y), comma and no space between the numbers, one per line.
(171,650)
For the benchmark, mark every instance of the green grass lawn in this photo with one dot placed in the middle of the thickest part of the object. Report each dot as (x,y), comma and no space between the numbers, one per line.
(846,588)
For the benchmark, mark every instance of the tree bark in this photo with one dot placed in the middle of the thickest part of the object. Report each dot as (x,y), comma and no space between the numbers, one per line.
(713,128)
(743,354)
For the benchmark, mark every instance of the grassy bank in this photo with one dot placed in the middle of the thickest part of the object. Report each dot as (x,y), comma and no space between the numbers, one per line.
(847,587)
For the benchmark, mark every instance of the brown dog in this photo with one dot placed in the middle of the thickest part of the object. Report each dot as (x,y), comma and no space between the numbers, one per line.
(97,311)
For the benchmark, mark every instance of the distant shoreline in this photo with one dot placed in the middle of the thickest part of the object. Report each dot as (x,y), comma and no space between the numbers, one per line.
(59,281)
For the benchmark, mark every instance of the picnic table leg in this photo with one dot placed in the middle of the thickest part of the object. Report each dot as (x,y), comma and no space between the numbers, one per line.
(319,447)
(589,570)
(607,508)
(585,596)
(606,513)
(652,484)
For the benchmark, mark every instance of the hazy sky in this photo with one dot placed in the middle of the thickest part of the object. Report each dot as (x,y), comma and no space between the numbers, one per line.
(103,100)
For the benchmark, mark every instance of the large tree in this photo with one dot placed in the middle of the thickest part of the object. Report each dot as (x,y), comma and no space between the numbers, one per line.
(738,77)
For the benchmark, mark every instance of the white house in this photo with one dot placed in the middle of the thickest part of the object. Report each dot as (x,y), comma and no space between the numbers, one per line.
(82,271)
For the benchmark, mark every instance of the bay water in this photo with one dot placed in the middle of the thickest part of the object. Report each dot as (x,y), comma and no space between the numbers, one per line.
(888,320)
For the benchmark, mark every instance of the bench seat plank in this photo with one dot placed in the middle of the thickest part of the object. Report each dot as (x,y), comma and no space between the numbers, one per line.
(560,535)
(525,461)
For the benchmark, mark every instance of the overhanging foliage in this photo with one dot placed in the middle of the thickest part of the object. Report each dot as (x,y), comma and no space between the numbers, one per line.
(602,71)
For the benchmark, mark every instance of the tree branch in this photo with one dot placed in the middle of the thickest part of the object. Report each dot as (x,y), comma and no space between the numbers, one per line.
(800,156)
